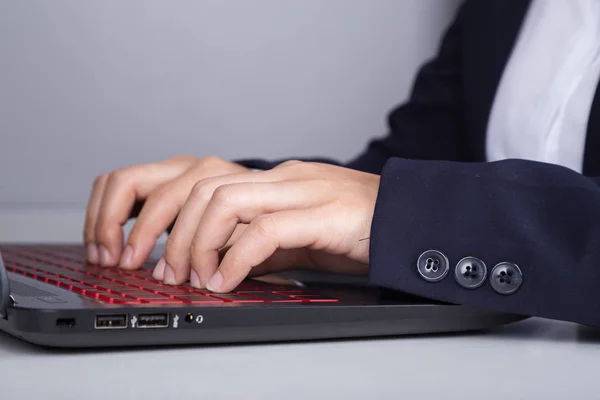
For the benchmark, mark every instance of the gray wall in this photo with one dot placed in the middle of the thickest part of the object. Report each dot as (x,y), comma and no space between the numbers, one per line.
(89,86)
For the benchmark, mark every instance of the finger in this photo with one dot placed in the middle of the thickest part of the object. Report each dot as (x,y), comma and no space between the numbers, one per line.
(290,229)
(302,258)
(281,260)
(177,249)
(89,229)
(158,212)
(242,203)
(123,188)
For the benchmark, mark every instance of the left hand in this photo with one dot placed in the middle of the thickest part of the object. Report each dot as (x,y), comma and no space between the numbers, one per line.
(296,215)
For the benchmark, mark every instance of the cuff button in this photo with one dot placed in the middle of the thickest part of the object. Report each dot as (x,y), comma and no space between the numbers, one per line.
(506,278)
(433,265)
(470,272)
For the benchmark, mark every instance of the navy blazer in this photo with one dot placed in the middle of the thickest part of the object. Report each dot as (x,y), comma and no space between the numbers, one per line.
(531,228)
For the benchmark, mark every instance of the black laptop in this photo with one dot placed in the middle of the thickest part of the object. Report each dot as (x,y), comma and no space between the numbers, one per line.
(50,296)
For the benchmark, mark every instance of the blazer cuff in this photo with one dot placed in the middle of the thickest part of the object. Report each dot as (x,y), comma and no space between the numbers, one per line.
(440,207)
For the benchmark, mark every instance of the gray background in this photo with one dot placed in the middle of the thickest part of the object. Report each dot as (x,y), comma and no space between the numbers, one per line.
(89,86)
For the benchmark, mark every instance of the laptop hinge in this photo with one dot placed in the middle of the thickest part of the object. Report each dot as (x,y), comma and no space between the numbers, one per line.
(5,299)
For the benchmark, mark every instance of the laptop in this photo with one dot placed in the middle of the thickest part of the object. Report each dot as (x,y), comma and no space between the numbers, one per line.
(50,296)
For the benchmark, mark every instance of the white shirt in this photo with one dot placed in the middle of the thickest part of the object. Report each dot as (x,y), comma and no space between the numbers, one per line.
(544,98)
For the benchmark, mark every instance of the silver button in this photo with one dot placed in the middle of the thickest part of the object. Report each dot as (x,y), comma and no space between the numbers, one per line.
(506,278)
(470,272)
(433,265)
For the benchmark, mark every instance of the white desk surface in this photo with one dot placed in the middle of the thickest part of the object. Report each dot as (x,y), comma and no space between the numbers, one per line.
(532,359)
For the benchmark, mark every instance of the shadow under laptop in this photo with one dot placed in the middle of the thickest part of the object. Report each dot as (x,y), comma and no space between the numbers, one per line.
(588,334)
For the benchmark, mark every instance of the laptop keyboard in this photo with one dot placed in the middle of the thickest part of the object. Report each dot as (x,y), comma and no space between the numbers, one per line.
(66,267)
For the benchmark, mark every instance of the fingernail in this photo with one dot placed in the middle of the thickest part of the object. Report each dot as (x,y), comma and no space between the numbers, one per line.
(104,257)
(92,254)
(169,278)
(159,270)
(127,257)
(195,280)
(215,282)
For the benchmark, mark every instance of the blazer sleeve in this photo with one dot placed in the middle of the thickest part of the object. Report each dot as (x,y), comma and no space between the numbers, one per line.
(542,218)
(429,125)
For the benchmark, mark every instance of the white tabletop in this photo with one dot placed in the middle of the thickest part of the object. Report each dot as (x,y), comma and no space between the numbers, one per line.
(532,359)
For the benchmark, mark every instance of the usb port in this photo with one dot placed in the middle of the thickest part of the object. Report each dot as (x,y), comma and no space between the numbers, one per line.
(111,321)
(153,320)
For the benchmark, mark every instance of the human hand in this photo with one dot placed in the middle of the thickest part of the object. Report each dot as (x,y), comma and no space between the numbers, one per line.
(295,215)
(163,187)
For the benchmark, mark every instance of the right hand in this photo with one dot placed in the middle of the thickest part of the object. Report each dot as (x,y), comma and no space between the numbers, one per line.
(163,187)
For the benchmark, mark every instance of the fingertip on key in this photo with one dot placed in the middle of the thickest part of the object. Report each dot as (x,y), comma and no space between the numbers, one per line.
(105,257)
(159,270)
(92,253)
(195,280)
(127,257)
(169,275)
(215,283)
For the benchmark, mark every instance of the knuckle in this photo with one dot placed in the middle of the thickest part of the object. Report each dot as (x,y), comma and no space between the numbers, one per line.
(224,195)
(182,158)
(120,176)
(202,189)
(289,163)
(305,168)
(312,167)
(211,162)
